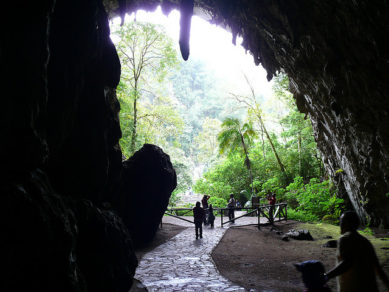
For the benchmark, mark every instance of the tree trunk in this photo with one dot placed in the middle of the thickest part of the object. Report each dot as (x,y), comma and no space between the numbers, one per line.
(133,136)
(247,163)
(299,150)
(271,144)
(263,144)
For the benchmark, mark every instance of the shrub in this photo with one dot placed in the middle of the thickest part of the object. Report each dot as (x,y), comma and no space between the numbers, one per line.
(217,202)
(316,198)
(301,216)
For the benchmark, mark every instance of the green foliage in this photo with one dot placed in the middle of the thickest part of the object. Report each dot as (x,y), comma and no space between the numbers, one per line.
(273,185)
(198,92)
(301,216)
(217,202)
(229,176)
(180,107)
(367,231)
(316,198)
(206,141)
(148,114)
(174,198)
(234,135)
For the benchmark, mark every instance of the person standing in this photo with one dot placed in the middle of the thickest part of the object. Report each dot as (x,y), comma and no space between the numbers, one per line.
(272,202)
(231,208)
(357,262)
(211,216)
(199,215)
(204,202)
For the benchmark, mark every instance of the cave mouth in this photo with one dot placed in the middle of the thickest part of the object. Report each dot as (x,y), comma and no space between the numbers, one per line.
(201,91)
(329,62)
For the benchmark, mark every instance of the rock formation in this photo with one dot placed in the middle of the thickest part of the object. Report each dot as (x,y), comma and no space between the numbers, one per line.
(148,181)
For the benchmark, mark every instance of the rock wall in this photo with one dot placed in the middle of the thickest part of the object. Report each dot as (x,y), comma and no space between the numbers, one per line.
(62,167)
(59,151)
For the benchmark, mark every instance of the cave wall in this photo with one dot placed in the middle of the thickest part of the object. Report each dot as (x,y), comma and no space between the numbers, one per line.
(59,151)
(62,171)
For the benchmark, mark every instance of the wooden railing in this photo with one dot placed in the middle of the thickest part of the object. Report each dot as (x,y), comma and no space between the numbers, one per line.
(279,213)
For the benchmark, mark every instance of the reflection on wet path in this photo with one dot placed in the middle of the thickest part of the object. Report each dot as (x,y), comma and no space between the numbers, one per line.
(184,264)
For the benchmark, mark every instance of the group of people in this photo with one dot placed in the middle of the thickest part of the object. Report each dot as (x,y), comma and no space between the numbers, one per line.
(203,215)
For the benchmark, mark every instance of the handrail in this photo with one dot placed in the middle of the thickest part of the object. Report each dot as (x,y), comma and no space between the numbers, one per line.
(279,209)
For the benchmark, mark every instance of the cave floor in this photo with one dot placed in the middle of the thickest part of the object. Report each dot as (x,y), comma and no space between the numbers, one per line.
(184,263)
(236,257)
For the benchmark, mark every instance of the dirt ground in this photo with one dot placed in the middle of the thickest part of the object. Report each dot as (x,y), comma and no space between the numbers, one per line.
(260,260)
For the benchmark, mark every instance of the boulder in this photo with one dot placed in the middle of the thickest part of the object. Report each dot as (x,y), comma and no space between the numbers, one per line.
(331,244)
(148,181)
(299,234)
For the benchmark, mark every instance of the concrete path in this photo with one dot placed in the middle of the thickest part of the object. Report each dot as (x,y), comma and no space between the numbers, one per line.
(184,263)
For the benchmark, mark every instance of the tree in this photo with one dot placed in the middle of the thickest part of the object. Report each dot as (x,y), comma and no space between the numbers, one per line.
(233,136)
(198,91)
(146,54)
(254,109)
(206,141)
(297,133)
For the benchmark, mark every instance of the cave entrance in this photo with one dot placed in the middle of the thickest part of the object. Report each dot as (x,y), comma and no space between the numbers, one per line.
(184,106)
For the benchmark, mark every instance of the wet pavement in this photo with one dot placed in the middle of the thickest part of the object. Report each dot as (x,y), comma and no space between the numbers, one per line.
(184,263)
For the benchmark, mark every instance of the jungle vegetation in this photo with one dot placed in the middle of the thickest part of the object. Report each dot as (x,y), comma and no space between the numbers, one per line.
(240,143)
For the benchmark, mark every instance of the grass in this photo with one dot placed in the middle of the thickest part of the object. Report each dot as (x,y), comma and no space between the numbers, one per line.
(320,230)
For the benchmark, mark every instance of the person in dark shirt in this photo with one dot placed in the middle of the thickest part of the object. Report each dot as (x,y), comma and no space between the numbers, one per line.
(231,207)
(211,216)
(357,262)
(204,203)
(272,201)
(199,215)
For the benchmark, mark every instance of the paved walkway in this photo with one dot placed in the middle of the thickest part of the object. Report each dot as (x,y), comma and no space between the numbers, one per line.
(185,264)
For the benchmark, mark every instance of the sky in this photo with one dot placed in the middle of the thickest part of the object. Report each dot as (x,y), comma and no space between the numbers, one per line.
(213,44)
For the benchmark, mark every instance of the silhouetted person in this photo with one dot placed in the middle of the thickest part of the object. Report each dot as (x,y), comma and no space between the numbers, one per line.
(357,262)
(231,208)
(211,216)
(198,214)
(272,201)
(204,203)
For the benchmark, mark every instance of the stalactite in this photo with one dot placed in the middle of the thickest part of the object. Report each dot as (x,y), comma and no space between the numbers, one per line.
(186,9)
